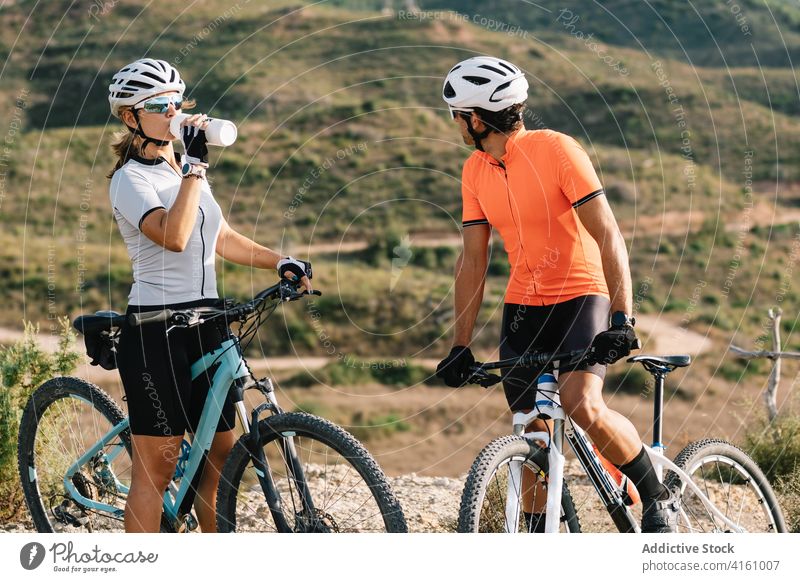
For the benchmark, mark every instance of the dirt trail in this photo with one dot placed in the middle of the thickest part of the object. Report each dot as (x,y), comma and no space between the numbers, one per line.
(669,223)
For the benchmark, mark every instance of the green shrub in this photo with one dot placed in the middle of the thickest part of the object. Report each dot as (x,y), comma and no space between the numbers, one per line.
(788,489)
(23,367)
(775,446)
(351,372)
(738,369)
(633,380)
(333,374)
(366,428)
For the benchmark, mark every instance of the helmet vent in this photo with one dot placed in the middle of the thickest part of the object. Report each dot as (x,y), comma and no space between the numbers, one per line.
(495,69)
(476,80)
(449,92)
(506,65)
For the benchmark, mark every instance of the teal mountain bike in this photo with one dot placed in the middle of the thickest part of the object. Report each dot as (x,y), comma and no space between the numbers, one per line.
(288,472)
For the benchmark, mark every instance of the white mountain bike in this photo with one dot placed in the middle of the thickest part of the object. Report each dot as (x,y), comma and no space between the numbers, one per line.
(718,484)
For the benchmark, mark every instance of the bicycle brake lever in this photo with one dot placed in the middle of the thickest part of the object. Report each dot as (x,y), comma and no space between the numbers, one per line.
(483,378)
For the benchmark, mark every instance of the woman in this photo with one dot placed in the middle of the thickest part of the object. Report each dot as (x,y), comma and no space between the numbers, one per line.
(172,227)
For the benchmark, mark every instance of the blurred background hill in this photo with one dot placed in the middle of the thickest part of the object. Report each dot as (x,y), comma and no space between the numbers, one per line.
(690,112)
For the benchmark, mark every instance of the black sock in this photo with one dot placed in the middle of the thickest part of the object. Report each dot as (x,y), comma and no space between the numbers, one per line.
(641,472)
(534,522)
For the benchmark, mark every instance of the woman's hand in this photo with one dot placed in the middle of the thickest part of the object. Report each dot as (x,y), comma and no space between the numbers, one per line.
(193,136)
(294,270)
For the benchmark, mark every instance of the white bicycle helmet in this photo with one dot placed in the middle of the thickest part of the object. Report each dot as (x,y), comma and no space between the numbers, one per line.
(142,79)
(486,82)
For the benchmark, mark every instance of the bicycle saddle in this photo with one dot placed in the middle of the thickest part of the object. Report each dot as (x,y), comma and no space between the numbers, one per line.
(671,361)
(100,321)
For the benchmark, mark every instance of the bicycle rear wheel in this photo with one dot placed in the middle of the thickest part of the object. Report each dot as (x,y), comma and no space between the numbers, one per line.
(732,481)
(493,480)
(349,492)
(62,420)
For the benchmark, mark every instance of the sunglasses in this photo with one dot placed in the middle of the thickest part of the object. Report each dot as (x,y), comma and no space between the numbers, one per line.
(456,112)
(160,104)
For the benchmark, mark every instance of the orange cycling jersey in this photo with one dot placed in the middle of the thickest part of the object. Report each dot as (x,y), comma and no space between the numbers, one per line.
(530,197)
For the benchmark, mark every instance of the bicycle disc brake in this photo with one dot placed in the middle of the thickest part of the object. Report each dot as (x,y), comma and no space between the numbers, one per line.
(321,522)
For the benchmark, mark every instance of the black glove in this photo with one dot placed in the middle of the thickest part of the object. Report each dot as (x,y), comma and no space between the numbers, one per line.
(296,267)
(194,145)
(454,369)
(613,344)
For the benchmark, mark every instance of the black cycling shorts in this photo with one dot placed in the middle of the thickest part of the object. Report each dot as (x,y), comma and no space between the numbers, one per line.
(570,325)
(155,369)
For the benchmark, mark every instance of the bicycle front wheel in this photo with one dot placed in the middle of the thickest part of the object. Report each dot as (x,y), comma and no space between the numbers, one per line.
(325,480)
(492,498)
(733,483)
(62,420)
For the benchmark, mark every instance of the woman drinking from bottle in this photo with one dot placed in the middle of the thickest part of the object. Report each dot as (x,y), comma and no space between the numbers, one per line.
(173,228)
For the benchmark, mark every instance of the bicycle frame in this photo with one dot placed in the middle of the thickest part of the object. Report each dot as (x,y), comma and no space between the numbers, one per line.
(228,377)
(607,488)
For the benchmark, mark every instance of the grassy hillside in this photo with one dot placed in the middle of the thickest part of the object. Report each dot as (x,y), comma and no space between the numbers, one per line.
(344,138)
(760,33)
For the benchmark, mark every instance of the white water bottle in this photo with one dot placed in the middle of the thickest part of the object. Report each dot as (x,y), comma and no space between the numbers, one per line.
(220,132)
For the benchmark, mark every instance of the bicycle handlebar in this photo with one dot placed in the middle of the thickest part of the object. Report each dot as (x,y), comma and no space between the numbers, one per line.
(480,371)
(284,290)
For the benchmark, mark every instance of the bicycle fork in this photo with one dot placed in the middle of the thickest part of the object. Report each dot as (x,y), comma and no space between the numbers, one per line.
(252,430)
(548,406)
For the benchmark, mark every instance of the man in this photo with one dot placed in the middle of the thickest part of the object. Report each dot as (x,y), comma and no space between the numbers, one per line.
(569,268)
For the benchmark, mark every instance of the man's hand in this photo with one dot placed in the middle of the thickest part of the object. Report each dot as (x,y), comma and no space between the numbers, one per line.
(454,369)
(613,344)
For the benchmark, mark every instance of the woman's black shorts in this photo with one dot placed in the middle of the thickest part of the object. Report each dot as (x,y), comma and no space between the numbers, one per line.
(566,326)
(155,368)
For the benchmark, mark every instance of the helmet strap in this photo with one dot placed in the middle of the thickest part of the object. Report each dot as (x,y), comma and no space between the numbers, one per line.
(138,131)
(476,137)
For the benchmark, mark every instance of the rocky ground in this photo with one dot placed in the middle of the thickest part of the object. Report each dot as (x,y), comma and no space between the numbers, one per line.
(430,504)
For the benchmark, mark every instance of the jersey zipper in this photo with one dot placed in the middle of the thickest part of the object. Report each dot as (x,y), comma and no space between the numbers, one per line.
(519,231)
(202,241)
(203,257)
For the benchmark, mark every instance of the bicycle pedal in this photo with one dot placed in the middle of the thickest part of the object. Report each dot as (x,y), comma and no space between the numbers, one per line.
(187,523)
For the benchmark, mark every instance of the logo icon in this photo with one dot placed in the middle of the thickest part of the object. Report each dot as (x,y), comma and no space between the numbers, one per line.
(31,555)
(402,256)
